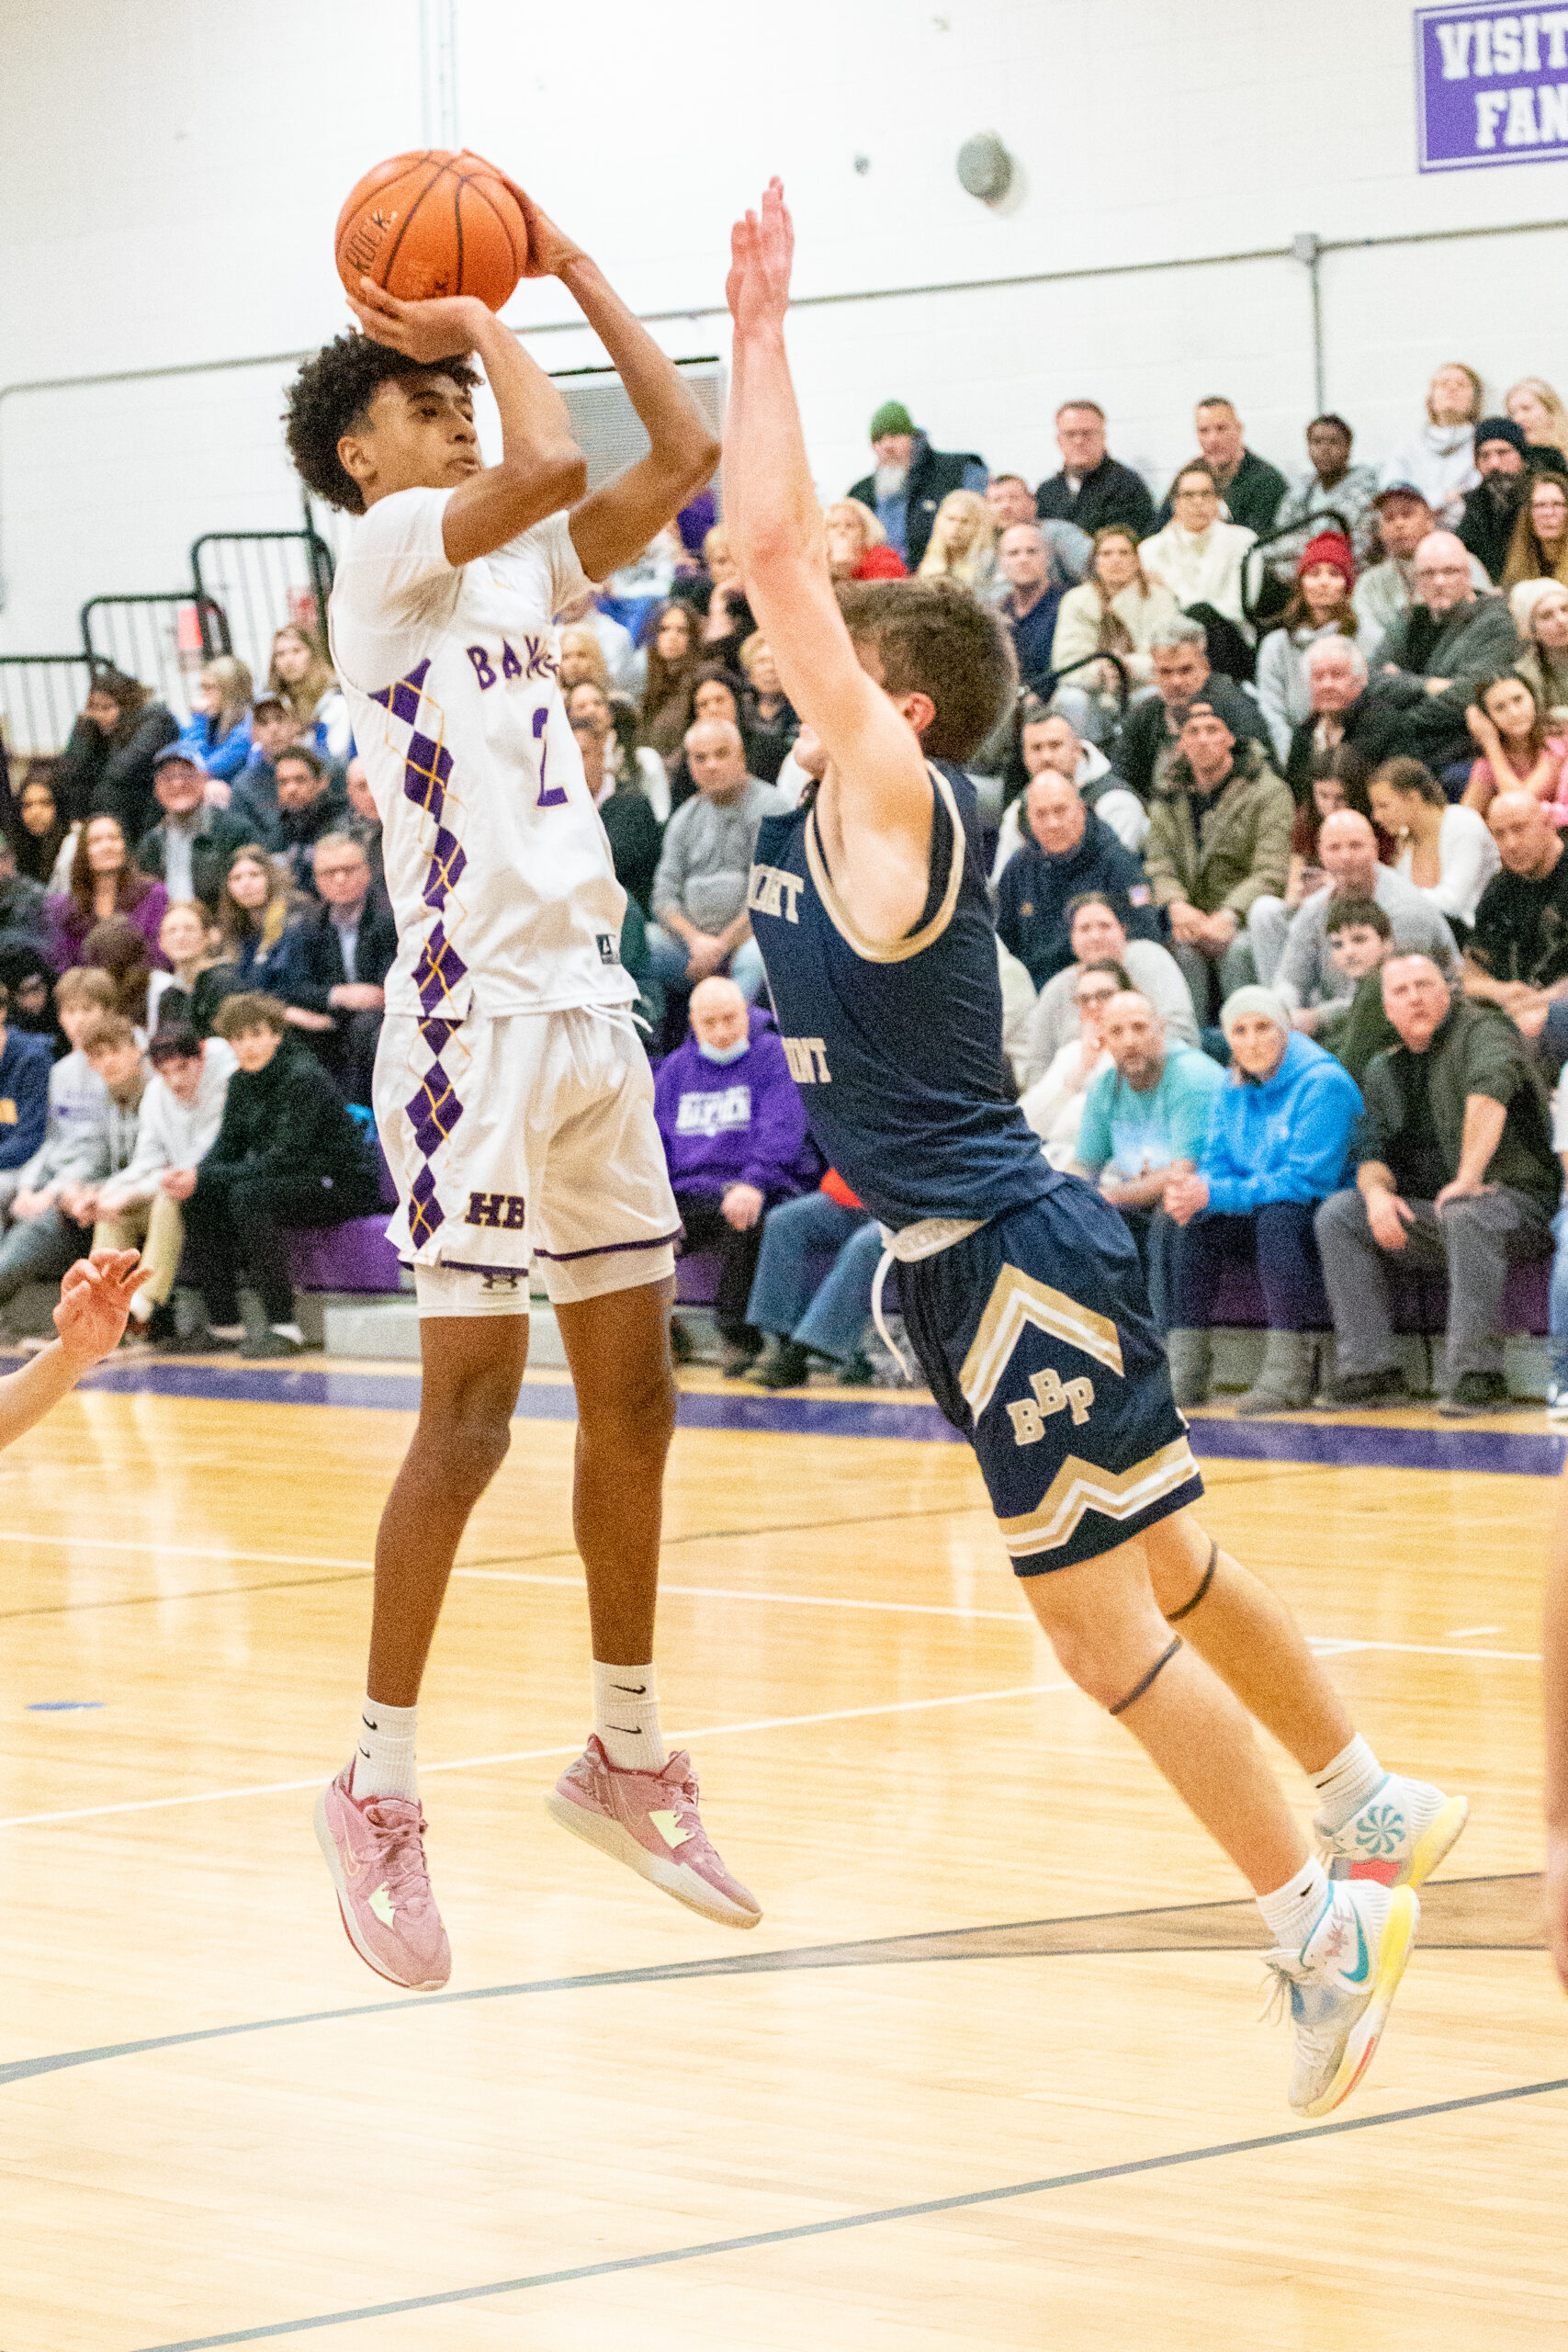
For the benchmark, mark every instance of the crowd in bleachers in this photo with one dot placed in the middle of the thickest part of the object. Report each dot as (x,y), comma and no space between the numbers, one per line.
(1273,831)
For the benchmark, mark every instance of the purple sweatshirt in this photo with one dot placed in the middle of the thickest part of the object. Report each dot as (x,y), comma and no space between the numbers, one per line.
(735,1123)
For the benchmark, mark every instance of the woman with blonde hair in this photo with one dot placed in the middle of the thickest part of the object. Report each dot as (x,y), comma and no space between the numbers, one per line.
(219,735)
(1538,412)
(1538,549)
(304,681)
(1115,608)
(253,911)
(857,543)
(963,544)
(582,658)
(1541,615)
(1440,458)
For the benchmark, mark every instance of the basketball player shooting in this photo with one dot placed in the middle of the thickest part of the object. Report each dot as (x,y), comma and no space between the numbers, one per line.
(1021,1288)
(89,1323)
(513,1094)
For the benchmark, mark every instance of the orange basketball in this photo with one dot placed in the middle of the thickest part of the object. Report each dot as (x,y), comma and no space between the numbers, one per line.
(433,223)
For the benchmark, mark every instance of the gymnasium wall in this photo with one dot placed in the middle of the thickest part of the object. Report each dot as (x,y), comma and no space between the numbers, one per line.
(173,170)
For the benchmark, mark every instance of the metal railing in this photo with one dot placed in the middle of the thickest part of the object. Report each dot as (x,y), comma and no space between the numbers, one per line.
(160,638)
(262,582)
(40,695)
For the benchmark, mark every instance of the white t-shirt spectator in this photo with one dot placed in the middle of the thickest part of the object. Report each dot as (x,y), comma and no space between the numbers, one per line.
(1467,859)
(172,1134)
(1054,1105)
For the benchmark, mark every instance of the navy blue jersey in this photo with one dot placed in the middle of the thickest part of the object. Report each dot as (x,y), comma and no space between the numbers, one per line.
(897,1050)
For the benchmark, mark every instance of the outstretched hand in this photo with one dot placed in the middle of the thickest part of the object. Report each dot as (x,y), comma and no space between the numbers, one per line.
(761,251)
(447,328)
(94,1299)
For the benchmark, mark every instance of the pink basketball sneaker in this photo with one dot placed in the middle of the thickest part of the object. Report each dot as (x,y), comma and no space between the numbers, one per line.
(375,1850)
(649,1821)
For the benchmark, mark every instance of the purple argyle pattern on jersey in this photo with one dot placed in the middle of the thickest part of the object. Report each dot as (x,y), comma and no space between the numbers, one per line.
(425,1213)
(438,970)
(447,864)
(434,1109)
(401,698)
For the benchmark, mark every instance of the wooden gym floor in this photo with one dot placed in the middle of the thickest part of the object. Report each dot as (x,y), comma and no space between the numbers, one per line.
(959,2089)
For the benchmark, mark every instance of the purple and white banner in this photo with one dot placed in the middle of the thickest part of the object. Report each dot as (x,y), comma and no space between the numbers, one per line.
(1492,87)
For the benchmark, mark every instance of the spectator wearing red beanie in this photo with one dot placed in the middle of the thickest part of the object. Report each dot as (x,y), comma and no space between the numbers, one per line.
(1319,606)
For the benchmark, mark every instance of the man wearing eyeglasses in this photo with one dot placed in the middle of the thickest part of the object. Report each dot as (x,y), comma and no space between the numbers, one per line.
(1449,639)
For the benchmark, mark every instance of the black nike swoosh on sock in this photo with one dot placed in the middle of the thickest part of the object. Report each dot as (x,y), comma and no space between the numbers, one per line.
(628,1731)
(632,1690)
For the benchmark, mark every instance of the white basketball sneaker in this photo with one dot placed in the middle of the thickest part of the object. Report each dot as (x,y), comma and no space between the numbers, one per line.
(1339,1988)
(1398,1837)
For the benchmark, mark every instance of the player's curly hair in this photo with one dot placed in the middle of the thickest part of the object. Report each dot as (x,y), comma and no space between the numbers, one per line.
(331,396)
(933,638)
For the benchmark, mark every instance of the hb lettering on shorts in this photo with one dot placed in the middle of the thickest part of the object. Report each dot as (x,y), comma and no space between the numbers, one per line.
(505,1212)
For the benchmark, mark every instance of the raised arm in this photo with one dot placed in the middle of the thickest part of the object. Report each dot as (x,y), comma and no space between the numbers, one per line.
(614,523)
(94,1299)
(878,788)
(541,467)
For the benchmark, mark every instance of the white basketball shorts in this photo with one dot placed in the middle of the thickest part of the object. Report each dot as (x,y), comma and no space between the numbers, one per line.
(529,1137)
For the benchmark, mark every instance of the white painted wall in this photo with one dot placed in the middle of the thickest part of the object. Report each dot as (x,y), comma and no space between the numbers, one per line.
(174,169)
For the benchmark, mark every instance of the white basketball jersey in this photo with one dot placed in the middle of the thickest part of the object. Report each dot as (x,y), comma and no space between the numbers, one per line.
(497,864)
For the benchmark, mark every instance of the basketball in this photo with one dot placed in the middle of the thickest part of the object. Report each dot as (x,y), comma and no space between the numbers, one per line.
(432,224)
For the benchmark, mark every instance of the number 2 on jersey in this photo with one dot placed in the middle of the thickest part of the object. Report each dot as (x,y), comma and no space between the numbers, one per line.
(551,796)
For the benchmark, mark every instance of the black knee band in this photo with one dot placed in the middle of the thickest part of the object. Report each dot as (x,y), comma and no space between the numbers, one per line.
(1175,1616)
(1153,1675)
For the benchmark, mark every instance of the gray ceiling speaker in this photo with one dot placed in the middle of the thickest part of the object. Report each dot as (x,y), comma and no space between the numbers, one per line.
(985,167)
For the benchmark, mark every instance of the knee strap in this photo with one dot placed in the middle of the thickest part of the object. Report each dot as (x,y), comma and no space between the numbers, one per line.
(1175,1616)
(1153,1675)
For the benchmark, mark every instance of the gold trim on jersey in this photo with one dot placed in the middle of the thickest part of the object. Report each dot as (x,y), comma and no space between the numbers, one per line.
(1015,1301)
(839,914)
(1081,1486)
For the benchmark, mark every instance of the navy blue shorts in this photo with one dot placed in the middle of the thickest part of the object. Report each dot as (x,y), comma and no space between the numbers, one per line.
(1036,1338)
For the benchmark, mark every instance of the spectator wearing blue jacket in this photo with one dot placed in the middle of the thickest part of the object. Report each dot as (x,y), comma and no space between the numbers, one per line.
(218,734)
(733,1131)
(25,1064)
(1278,1144)
(1068,849)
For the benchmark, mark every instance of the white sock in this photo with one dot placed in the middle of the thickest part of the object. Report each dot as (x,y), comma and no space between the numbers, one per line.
(625,1716)
(288,1331)
(1343,1785)
(1293,1910)
(141,1306)
(383,1760)
(227,1330)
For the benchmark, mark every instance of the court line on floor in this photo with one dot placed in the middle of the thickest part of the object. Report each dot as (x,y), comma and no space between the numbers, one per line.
(936,1944)
(535,1755)
(1327,1645)
(785,1600)
(754,2240)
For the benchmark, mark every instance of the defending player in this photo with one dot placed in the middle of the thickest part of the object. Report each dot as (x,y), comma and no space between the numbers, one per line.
(89,1322)
(1021,1288)
(513,1094)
